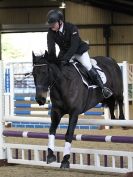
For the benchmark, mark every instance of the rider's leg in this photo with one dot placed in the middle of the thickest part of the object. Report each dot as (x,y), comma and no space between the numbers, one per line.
(84,59)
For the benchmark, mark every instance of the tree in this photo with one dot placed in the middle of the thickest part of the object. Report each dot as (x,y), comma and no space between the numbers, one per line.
(9,51)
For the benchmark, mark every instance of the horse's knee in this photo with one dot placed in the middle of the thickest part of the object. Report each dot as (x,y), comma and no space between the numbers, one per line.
(53,126)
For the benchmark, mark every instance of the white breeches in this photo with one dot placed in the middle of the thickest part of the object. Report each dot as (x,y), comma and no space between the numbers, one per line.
(84,59)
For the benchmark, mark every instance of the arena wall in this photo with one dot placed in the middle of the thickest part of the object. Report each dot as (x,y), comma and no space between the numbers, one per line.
(90,20)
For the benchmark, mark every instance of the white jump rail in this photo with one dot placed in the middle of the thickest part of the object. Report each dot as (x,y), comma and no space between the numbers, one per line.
(2,105)
(125,123)
(96,164)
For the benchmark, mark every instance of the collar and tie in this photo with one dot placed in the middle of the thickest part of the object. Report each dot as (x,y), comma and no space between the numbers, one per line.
(61,31)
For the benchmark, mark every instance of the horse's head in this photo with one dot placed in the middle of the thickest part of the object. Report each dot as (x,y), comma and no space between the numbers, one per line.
(41,77)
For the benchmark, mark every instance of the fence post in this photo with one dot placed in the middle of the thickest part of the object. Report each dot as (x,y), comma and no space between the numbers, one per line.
(125,89)
(12,89)
(2,150)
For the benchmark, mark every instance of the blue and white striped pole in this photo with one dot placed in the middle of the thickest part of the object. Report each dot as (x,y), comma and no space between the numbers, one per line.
(7,90)
(7,80)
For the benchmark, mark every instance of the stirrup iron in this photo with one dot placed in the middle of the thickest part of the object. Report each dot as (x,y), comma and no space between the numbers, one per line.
(107,92)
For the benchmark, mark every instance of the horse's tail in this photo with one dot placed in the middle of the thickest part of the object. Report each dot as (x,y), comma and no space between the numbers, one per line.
(120,99)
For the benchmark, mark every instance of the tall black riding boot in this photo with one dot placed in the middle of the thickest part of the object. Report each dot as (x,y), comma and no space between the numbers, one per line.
(97,79)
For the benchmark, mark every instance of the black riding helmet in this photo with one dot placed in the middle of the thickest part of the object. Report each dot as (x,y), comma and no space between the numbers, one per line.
(54,16)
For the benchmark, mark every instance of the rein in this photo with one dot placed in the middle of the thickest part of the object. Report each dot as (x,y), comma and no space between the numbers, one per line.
(26,75)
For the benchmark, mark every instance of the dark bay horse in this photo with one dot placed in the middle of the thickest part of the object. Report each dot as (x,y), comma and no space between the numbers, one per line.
(69,95)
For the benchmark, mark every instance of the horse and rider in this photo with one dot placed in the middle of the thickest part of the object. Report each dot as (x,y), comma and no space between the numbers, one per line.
(67,37)
(68,94)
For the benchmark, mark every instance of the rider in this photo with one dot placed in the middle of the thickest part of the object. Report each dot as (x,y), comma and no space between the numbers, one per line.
(66,36)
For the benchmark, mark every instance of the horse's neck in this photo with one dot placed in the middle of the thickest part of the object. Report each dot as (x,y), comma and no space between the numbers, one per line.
(59,77)
(55,73)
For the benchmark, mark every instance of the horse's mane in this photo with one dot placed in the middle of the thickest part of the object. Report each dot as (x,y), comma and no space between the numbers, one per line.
(56,68)
(44,58)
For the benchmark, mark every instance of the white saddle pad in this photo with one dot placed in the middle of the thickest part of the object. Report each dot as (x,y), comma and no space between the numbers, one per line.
(99,70)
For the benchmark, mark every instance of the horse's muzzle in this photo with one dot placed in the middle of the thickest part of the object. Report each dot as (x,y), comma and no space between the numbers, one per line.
(41,100)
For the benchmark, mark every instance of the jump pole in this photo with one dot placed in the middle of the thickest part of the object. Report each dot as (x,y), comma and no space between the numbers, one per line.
(125,88)
(11,89)
(103,122)
(78,137)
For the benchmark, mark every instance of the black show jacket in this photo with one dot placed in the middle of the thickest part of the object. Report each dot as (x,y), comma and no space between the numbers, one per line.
(68,41)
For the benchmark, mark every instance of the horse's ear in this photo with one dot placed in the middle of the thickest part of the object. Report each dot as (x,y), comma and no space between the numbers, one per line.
(33,58)
(33,55)
(46,53)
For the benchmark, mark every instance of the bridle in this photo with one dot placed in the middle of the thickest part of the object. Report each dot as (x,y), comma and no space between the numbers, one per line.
(38,65)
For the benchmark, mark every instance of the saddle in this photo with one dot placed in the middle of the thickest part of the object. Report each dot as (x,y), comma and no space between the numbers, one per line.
(84,72)
(70,74)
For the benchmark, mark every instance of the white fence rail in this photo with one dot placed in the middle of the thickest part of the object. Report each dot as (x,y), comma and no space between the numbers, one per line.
(130,83)
(96,162)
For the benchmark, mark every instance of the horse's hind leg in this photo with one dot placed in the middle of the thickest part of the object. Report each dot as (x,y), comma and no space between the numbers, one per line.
(68,138)
(121,114)
(55,120)
(111,104)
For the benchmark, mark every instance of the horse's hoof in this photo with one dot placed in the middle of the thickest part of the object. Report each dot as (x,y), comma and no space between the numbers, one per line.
(65,164)
(111,127)
(125,128)
(51,158)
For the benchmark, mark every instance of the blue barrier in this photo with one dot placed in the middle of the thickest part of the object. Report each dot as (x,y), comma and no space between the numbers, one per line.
(47,125)
(90,113)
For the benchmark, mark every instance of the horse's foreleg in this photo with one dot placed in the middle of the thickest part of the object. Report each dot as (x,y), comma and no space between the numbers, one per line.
(111,104)
(55,120)
(68,138)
